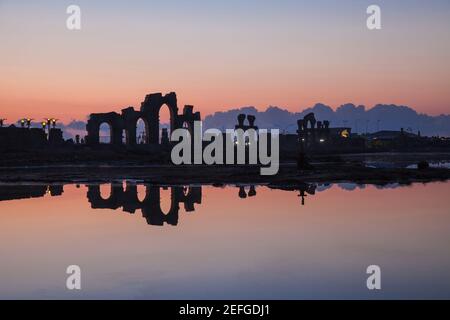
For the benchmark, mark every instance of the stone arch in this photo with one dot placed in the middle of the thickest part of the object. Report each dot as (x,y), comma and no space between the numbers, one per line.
(151,107)
(124,125)
(130,117)
(311,119)
(162,129)
(105,128)
(142,133)
(115,122)
(187,119)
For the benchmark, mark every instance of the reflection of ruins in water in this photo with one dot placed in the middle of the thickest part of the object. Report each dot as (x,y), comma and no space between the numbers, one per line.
(303,189)
(127,199)
(20,191)
(126,196)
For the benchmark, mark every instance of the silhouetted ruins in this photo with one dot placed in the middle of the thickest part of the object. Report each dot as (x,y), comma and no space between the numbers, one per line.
(313,137)
(123,126)
(250,122)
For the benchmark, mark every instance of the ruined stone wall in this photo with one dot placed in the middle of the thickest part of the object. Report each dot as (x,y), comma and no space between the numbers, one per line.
(124,124)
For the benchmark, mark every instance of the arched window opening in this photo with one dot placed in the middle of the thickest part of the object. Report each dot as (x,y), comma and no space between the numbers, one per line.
(105,133)
(141,131)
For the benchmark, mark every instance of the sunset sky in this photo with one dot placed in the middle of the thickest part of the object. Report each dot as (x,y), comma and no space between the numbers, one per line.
(221,54)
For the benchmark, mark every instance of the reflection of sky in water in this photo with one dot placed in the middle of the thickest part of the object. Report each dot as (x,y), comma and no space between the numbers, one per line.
(264,246)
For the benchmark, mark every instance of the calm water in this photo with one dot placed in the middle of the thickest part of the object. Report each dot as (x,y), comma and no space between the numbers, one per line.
(136,241)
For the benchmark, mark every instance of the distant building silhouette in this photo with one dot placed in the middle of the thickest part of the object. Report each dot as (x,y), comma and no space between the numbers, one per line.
(20,138)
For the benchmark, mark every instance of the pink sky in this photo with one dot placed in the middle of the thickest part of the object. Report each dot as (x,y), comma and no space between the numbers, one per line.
(217,59)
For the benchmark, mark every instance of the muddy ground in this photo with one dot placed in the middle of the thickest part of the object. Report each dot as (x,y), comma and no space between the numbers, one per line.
(167,175)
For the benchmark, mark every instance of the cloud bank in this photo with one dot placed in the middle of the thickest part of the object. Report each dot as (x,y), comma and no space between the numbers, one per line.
(360,119)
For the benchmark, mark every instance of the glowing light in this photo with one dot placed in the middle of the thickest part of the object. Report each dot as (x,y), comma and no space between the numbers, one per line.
(345,133)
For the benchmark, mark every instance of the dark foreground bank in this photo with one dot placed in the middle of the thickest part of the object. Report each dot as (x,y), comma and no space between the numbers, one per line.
(288,174)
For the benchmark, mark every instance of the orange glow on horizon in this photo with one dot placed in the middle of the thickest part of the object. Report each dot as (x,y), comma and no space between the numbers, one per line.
(218,60)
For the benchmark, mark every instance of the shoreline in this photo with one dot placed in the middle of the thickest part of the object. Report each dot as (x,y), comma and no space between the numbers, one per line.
(288,174)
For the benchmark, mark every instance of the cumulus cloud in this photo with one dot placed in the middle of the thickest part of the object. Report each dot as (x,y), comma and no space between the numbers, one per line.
(359,118)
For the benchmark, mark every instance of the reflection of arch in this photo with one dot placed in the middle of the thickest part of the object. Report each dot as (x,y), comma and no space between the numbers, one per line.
(112,202)
(189,196)
(150,205)
(105,191)
(130,201)
(151,209)
(165,200)
(141,191)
